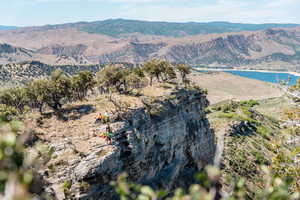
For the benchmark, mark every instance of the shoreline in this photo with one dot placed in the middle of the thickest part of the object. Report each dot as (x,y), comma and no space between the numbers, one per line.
(250,70)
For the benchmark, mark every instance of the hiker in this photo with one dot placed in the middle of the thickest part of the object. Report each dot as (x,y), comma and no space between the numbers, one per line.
(109,132)
(106,118)
(108,129)
(99,118)
(108,140)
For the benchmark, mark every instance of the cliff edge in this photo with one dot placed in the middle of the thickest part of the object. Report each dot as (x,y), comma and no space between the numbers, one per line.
(162,144)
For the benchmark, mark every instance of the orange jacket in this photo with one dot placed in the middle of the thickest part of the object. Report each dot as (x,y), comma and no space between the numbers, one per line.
(100,116)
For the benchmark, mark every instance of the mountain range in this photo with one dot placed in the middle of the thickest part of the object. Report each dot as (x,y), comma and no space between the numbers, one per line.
(259,46)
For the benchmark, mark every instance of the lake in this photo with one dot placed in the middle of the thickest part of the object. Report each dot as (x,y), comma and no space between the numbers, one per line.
(265,76)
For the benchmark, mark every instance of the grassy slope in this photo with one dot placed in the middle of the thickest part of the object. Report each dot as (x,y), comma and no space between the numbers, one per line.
(259,140)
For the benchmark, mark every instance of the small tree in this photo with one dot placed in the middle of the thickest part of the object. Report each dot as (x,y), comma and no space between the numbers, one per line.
(82,82)
(161,70)
(37,92)
(150,70)
(111,76)
(133,81)
(167,70)
(154,68)
(139,72)
(59,90)
(15,97)
(184,70)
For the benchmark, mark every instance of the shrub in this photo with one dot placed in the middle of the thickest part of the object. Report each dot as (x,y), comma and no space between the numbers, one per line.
(37,92)
(228,115)
(184,71)
(250,103)
(7,112)
(15,97)
(263,131)
(161,70)
(81,83)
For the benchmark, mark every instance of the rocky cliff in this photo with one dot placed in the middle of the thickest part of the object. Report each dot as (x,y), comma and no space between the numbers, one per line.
(162,144)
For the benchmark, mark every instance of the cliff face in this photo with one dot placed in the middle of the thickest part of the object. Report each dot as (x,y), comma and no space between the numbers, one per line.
(134,52)
(241,50)
(9,53)
(163,144)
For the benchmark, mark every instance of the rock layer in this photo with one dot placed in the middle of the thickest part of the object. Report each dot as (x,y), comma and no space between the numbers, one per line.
(162,144)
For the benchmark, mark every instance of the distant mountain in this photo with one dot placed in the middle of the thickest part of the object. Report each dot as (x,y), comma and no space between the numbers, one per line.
(117,27)
(125,27)
(3,28)
(276,46)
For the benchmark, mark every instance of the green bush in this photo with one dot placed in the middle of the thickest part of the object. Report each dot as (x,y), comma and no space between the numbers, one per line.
(7,113)
(184,70)
(15,97)
(250,103)
(81,83)
(263,131)
(228,115)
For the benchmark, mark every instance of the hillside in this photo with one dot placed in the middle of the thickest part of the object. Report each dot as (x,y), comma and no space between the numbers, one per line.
(119,27)
(221,86)
(267,46)
(81,132)
(24,72)
(251,133)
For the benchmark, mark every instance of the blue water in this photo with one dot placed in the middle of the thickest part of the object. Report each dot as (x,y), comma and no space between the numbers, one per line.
(266,76)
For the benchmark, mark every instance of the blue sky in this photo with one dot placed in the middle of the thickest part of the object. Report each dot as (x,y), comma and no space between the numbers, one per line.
(40,12)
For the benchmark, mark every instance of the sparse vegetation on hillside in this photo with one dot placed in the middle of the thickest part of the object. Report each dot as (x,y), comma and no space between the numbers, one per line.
(53,92)
(60,89)
(255,139)
(257,163)
(118,27)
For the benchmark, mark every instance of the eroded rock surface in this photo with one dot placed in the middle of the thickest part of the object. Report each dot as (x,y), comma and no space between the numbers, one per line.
(162,144)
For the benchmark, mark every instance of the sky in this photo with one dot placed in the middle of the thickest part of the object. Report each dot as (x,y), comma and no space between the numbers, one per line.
(41,12)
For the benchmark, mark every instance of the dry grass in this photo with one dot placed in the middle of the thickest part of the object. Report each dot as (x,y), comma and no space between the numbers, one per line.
(275,107)
(80,129)
(159,89)
(223,86)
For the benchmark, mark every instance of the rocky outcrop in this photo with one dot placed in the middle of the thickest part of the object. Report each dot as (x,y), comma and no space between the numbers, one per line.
(8,49)
(134,52)
(72,50)
(162,144)
(73,54)
(9,53)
